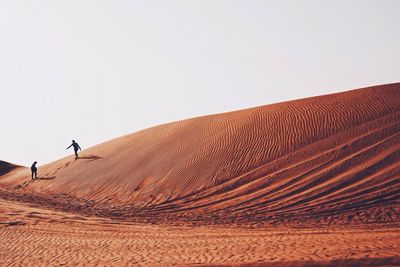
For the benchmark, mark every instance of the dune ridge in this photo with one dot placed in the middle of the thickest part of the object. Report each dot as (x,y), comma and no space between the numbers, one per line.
(6,167)
(325,159)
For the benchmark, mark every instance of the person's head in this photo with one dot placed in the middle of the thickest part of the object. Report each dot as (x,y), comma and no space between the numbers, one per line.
(35,162)
(73,141)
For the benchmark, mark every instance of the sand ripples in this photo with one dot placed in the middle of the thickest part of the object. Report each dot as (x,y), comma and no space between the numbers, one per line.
(331,158)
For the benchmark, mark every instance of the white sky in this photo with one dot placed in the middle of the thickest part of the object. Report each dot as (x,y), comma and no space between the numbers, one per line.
(95,70)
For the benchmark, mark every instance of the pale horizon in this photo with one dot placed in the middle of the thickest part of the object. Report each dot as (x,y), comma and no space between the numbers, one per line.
(98,70)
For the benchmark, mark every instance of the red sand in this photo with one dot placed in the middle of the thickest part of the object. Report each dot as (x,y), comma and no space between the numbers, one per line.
(322,162)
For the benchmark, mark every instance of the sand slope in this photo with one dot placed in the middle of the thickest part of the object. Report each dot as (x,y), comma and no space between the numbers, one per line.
(6,167)
(332,158)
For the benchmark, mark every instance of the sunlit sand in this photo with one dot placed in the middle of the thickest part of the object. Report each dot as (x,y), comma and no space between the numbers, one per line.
(314,180)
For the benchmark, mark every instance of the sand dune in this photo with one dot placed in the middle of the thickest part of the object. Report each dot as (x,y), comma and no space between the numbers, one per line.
(325,161)
(316,157)
(6,167)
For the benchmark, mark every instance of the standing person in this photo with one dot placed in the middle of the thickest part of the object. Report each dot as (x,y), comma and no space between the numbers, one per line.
(34,170)
(76,147)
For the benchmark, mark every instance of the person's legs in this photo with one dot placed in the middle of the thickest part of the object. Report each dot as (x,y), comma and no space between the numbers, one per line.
(76,154)
(35,174)
(32,175)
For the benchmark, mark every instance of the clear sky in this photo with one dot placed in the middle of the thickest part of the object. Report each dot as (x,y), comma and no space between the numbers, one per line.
(95,70)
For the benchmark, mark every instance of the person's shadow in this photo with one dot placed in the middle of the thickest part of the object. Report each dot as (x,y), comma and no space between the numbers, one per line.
(91,157)
(45,178)
(25,184)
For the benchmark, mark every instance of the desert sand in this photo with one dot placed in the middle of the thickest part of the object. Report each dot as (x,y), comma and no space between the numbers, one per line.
(313,181)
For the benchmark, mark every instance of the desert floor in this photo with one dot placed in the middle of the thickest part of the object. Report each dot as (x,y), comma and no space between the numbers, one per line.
(32,236)
(308,182)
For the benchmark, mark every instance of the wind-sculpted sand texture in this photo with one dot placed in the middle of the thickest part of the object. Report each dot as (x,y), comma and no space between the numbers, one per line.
(36,237)
(332,158)
(311,181)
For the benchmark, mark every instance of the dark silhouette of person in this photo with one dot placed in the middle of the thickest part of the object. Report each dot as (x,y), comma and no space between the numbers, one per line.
(34,170)
(76,147)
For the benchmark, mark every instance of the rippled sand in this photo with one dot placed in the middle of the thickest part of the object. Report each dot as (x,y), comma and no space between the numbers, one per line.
(310,180)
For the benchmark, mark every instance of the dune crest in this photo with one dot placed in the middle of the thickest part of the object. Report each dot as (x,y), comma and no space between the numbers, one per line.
(6,167)
(331,158)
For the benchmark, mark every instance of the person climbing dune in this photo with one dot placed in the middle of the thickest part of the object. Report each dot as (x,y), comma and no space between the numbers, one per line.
(76,148)
(34,170)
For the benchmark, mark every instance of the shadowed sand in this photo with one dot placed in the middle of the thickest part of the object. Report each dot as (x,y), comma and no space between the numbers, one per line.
(327,163)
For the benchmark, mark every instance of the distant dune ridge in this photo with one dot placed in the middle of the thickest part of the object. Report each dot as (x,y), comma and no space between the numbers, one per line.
(332,158)
(6,167)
